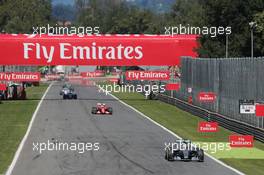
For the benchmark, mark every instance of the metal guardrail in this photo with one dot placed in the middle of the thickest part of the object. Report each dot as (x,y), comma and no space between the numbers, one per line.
(230,124)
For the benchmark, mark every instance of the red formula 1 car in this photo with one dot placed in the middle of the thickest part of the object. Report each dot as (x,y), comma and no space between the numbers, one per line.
(102,109)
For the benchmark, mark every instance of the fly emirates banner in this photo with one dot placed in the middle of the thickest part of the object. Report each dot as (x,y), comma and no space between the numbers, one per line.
(105,50)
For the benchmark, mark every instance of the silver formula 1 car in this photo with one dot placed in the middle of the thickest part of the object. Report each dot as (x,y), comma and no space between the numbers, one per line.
(184,150)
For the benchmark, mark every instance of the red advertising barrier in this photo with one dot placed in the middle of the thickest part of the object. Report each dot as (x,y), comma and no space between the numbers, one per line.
(92,74)
(260,110)
(172,86)
(20,76)
(114,80)
(115,73)
(101,71)
(74,77)
(87,82)
(208,127)
(104,50)
(207,97)
(2,87)
(241,141)
(52,77)
(147,75)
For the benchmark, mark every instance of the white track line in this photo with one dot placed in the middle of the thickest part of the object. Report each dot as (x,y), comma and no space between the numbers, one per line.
(166,129)
(21,145)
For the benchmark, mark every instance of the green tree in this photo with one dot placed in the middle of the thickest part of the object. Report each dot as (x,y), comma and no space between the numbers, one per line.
(213,13)
(116,17)
(259,33)
(187,12)
(134,22)
(236,14)
(19,16)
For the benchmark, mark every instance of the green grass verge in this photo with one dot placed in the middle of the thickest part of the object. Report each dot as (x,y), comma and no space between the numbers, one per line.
(185,125)
(247,166)
(14,119)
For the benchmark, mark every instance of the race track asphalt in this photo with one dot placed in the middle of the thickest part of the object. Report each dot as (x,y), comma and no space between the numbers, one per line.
(129,143)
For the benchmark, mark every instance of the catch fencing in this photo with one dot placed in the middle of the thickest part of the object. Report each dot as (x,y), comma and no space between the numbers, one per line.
(231,79)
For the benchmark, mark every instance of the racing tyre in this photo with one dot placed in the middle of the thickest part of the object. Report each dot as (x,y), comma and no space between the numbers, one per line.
(110,110)
(94,110)
(75,97)
(64,97)
(168,155)
(200,156)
